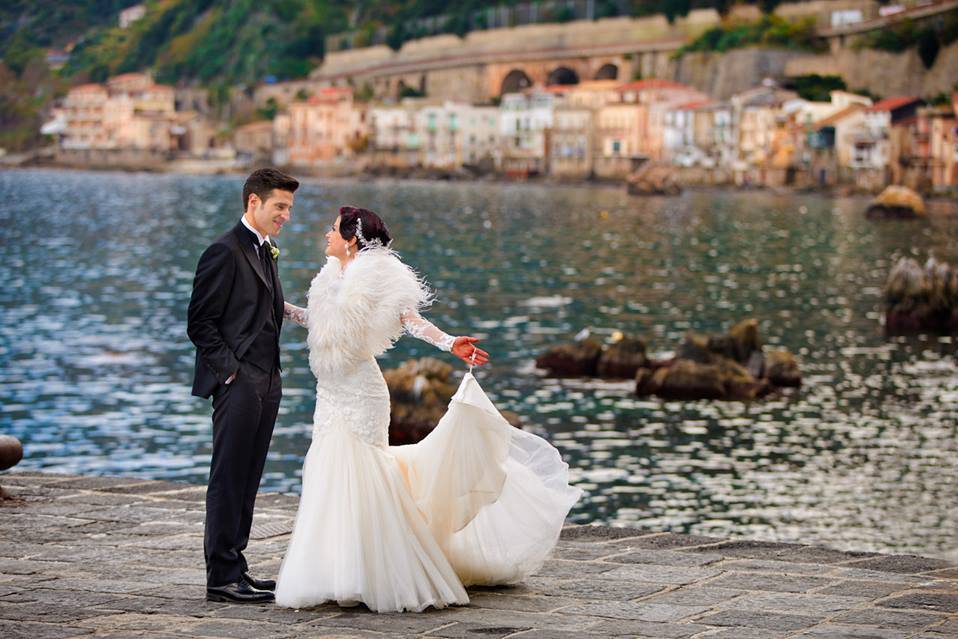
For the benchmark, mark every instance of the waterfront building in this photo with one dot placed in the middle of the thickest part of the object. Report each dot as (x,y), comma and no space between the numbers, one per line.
(831,145)
(656,99)
(765,147)
(524,122)
(395,139)
(254,140)
(327,128)
(130,119)
(619,128)
(880,141)
(934,146)
(454,134)
(572,142)
(480,137)
(944,148)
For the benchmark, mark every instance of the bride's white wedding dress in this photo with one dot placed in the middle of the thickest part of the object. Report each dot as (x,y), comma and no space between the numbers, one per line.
(407,527)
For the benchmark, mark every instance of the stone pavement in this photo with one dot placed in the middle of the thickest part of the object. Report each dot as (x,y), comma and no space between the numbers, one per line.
(122,557)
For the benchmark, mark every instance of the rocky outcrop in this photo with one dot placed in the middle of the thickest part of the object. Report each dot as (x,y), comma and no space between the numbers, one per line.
(733,366)
(419,392)
(623,358)
(575,359)
(896,202)
(921,298)
(653,178)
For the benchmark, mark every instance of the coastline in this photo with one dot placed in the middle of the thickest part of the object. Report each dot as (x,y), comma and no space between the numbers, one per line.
(451,176)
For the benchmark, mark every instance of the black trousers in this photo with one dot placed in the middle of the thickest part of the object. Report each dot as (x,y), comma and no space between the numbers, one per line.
(244,413)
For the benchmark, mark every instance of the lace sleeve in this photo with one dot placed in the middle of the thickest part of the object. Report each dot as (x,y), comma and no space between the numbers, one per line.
(295,313)
(421,328)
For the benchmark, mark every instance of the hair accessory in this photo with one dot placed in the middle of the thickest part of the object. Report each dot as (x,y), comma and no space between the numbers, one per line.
(375,242)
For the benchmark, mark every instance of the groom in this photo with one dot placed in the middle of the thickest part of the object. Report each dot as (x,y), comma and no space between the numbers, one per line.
(234,319)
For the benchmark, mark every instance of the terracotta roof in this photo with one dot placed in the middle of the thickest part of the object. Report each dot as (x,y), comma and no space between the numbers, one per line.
(840,115)
(129,76)
(894,102)
(255,126)
(335,90)
(87,88)
(694,104)
(652,83)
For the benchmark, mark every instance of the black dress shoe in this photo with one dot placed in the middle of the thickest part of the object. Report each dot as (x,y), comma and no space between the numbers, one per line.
(238,592)
(259,584)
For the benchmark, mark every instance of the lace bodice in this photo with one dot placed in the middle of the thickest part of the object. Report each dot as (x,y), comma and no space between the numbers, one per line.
(413,323)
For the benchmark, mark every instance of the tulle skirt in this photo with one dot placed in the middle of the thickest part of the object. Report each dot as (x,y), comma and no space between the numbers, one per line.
(407,527)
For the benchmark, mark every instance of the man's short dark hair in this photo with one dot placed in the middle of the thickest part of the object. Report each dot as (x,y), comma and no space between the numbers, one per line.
(263,181)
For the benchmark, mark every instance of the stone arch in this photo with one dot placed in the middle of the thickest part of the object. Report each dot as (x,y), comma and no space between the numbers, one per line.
(562,75)
(515,81)
(607,71)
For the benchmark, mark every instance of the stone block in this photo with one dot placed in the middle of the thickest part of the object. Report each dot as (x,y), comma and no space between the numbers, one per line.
(940,602)
(885,618)
(643,611)
(765,620)
(775,583)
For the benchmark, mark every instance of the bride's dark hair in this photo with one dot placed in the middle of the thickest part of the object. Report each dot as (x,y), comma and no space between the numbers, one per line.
(373,226)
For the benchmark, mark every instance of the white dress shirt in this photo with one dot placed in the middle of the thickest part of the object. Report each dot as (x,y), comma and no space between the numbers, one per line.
(260,238)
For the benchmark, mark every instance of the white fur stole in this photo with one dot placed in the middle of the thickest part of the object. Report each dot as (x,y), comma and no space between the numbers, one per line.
(354,313)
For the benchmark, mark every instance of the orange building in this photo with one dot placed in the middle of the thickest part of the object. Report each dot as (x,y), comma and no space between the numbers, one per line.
(326,127)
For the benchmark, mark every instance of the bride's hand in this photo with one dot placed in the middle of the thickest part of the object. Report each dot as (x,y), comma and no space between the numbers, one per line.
(464,348)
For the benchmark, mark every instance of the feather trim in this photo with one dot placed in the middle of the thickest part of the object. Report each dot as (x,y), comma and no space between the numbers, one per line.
(354,313)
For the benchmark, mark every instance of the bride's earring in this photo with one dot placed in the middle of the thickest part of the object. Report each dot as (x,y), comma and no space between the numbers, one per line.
(347,250)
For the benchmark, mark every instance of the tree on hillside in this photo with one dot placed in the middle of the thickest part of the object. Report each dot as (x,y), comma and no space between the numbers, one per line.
(928,47)
(675,8)
(769,6)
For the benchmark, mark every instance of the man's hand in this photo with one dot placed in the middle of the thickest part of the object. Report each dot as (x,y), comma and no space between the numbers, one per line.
(465,349)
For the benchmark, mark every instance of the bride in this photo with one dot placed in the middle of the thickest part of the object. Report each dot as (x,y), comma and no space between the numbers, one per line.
(406,527)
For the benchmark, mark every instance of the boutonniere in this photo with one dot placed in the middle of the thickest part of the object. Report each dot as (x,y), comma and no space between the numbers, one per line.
(274,251)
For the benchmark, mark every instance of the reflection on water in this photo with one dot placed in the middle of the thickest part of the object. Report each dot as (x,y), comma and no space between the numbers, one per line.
(95,365)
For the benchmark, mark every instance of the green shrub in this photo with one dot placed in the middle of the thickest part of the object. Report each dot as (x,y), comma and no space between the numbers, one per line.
(817,88)
(769,31)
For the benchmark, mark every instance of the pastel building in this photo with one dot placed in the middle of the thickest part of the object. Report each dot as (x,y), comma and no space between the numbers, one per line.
(327,127)
(130,113)
(572,142)
(454,134)
(396,140)
(524,122)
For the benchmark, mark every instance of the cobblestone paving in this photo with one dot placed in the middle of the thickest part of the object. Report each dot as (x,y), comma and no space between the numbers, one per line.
(122,557)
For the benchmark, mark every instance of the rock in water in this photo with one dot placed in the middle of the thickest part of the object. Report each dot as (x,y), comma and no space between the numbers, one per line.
(781,369)
(645,383)
(622,359)
(695,348)
(896,202)
(578,359)
(686,379)
(921,298)
(11,452)
(745,340)
(419,393)
(653,178)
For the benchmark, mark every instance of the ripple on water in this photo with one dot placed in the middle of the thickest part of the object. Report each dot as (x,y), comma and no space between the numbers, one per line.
(95,365)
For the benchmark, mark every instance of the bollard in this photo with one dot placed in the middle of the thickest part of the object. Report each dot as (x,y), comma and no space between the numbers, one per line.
(11,452)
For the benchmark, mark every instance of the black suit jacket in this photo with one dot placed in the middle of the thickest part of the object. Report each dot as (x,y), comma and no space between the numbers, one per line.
(229,306)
